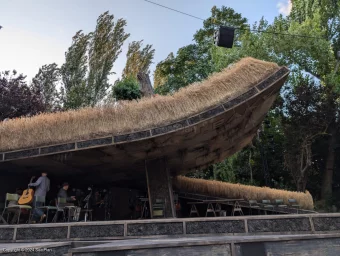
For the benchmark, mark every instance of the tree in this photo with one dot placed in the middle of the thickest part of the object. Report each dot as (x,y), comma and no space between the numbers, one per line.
(138,59)
(327,14)
(74,72)
(46,82)
(193,62)
(126,89)
(17,98)
(190,65)
(314,56)
(105,46)
(89,62)
(307,116)
(329,10)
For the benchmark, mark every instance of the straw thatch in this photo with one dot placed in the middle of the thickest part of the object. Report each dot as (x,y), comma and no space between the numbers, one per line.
(87,123)
(229,190)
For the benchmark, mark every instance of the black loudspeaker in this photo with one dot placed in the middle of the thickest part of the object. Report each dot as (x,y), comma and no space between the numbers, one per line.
(224,37)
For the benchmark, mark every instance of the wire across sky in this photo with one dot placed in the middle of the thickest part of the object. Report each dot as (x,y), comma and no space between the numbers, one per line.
(253,30)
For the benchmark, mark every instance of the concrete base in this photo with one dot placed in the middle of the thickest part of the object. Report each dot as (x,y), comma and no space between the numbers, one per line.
(278,245)
(108,230)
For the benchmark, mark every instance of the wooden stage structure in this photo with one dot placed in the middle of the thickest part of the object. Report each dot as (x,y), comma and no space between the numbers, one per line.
(149,158)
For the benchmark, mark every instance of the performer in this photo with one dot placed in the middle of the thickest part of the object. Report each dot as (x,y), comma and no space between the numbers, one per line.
(74,211)
(42,186)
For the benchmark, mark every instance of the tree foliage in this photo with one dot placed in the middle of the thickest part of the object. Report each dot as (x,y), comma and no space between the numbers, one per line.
(193,63)
(89,62)
(17,98)
(307,114)
(74,72)
(46,81)
(104,48)
(126,89)
(138,59)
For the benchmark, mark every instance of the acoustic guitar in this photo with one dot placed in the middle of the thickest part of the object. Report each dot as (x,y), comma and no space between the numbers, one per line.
(27,195)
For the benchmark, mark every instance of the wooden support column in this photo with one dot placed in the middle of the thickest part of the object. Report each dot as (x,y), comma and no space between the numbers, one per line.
(159,185)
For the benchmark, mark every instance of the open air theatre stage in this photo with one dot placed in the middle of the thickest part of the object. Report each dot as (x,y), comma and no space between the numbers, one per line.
(150,157)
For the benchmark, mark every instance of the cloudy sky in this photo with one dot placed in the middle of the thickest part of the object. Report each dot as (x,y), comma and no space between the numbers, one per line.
(38,32)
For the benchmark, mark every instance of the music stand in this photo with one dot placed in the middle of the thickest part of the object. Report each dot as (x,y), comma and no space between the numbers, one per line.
(86,207)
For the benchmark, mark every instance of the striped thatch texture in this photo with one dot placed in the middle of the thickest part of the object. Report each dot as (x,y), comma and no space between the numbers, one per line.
(87,123)
(229,190)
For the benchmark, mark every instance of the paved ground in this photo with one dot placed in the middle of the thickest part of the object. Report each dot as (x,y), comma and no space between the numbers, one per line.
(30,247)
(192,241)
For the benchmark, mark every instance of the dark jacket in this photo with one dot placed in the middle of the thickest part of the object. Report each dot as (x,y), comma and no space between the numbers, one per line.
(63,194)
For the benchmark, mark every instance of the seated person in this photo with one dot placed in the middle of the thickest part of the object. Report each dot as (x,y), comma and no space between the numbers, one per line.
(74,211)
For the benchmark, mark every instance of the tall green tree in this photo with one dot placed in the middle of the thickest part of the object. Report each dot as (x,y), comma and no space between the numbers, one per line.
(307,114)
(46,81)
(74,72)
(139,59)
(105,46)
(327,15)
(194,63)
(190,65)
(89,62)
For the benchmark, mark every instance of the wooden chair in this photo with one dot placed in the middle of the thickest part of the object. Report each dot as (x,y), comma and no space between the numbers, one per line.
(194,210)
(60,209)
(210,209)
(267,205)
(218,209)
(280,204)
(237,208)
(42,199)
(293,204)
(14,207)
(253,205)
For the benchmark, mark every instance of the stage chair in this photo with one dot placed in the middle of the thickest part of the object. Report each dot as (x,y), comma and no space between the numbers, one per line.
(210,209)
(237,208)
(279,203)
(16,207)
(60,208)
(267,205)
(294,204)
(41,199)
(253,205)
(194,210)
(218,209)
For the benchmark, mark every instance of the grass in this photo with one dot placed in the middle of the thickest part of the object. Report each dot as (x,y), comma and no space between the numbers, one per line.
(87,123)
(235,191)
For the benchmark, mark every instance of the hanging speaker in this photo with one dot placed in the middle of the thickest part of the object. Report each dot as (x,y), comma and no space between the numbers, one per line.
(224,37)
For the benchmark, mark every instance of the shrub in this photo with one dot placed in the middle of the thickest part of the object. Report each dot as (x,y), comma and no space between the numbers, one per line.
(127,89)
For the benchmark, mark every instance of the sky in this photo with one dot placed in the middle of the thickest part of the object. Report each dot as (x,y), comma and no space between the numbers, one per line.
(39,32)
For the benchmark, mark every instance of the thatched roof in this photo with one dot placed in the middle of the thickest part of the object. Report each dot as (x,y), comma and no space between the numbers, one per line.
(87,123)
(229,190)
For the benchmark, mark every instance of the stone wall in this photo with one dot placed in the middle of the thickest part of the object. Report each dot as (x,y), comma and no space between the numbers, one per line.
(275,224)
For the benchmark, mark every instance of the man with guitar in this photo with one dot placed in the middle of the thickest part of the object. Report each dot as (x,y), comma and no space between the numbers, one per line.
(42,186)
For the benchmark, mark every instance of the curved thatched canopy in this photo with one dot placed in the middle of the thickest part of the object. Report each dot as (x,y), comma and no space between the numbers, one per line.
(229,190)
(199,125)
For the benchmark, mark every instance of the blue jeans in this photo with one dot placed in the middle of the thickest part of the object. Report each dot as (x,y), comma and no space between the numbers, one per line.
(37,213)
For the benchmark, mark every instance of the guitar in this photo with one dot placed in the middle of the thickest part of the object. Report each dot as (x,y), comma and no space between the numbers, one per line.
(27,195)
